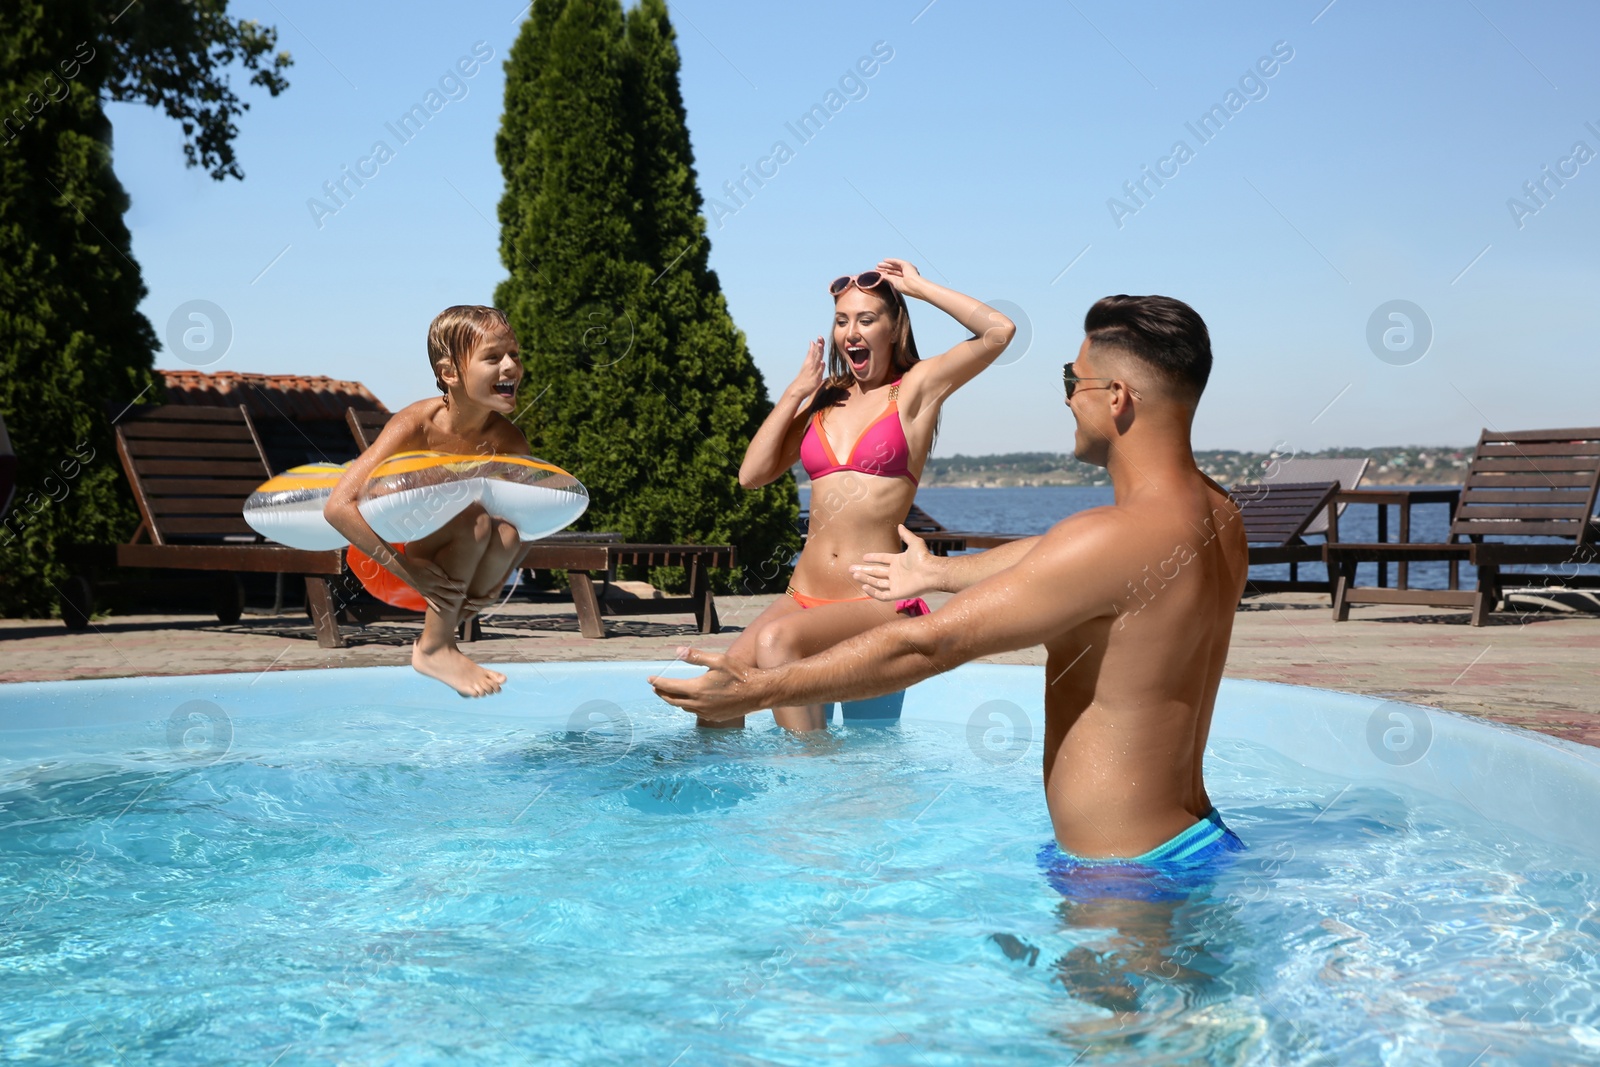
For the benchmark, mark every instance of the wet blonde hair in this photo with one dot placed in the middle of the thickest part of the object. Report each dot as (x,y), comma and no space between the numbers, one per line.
(455,331)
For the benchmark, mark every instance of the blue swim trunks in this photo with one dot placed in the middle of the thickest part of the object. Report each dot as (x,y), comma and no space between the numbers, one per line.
(1170,871)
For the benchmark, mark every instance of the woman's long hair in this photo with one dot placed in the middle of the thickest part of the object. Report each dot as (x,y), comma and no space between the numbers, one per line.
(905,344)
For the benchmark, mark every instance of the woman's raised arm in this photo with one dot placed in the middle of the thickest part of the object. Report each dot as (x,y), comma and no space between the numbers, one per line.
(776,445)
(939,376)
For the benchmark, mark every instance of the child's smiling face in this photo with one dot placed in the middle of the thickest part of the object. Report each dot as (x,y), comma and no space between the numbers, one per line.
(492,372)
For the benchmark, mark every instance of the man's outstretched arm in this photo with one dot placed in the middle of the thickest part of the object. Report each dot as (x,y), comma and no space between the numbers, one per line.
(891,576)
(1054,587)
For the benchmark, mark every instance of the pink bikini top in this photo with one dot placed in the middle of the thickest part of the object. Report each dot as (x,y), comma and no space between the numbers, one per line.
(883,448)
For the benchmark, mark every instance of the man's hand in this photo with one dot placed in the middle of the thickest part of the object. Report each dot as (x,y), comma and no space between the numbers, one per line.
(890,576)
(725,691)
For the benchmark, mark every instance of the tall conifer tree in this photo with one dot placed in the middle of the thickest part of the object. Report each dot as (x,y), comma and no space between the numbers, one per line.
(72,339)
(640,383)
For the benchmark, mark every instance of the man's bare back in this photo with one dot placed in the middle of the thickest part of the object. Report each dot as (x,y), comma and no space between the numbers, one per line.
(1134,604)
(1117,714)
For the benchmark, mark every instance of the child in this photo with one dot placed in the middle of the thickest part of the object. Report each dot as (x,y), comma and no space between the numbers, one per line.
(459,569)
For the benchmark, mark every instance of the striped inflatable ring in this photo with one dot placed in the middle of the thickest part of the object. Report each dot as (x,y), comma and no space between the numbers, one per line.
(413,494)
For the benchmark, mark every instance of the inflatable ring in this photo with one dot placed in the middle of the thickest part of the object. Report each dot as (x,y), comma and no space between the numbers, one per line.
(413,494)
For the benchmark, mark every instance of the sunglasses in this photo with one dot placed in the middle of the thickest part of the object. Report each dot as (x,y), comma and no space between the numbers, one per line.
(867,279)
(1070,379)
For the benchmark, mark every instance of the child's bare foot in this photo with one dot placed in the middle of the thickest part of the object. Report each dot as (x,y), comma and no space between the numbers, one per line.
(453,668)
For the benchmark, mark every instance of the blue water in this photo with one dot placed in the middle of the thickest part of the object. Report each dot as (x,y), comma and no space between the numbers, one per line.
(1034,509)
(294,877)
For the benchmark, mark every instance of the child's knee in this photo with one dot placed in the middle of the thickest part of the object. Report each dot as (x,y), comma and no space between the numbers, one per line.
(505,535)
(473,523)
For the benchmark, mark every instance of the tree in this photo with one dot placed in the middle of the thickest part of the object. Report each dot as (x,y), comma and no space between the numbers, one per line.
(641,384)
(72,339)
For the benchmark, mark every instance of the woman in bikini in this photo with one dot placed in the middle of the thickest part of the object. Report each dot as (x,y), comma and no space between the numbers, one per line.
(863,432)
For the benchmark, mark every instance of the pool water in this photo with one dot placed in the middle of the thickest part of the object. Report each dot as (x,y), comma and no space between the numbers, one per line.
(349,870)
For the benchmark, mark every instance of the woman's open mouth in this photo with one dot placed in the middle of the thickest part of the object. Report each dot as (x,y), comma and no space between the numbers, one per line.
(507,389)
(858,355)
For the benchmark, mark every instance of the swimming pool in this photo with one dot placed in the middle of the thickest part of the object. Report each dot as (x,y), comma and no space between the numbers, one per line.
(342,866)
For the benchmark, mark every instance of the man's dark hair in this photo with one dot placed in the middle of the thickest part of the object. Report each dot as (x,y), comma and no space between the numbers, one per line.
(1165,333)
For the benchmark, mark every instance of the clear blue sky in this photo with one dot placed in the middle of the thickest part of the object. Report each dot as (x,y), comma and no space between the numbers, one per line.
(1374,165)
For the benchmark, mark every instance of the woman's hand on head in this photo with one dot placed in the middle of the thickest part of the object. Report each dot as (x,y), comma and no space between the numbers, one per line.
(812,371)
(902,275)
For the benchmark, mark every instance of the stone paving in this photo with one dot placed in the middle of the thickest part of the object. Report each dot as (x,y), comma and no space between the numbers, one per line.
(1538,671)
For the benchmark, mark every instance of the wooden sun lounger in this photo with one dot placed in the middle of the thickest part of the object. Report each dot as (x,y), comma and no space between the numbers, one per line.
(191,469)
(1533,492)
(1277,516)
(942,542)
(583,561)
(1347,472)
(585,555)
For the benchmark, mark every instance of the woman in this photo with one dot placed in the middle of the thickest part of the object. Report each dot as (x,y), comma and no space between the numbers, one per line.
(863,433)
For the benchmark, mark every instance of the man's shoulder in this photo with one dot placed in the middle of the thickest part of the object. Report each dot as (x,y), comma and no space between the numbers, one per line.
(1114,531)
(1108,520)
(1091,538)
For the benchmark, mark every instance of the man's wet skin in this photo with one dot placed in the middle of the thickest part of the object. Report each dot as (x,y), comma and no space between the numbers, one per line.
(1130,693)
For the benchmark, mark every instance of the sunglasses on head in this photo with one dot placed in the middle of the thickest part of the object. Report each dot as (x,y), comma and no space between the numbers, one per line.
(867,279)
(1070,379)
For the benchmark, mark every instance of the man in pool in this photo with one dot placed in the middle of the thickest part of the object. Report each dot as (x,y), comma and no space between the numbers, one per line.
(1134,604)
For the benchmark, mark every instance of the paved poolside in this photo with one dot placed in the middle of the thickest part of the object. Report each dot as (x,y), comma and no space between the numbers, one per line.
(1538,671)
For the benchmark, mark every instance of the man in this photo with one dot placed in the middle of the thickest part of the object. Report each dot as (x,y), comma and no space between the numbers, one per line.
(1134,604)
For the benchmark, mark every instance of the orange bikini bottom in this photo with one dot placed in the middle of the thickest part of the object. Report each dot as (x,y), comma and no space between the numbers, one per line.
(909,608)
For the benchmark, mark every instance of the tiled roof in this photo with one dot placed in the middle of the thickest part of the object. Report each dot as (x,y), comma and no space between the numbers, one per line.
(293,396)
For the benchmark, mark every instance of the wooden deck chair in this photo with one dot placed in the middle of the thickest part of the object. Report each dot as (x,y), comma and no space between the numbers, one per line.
(942,542)
(191,469)
(365,426)
(1277,516)
(585,555)
(968,538)
(1529,501)
(1347,472)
